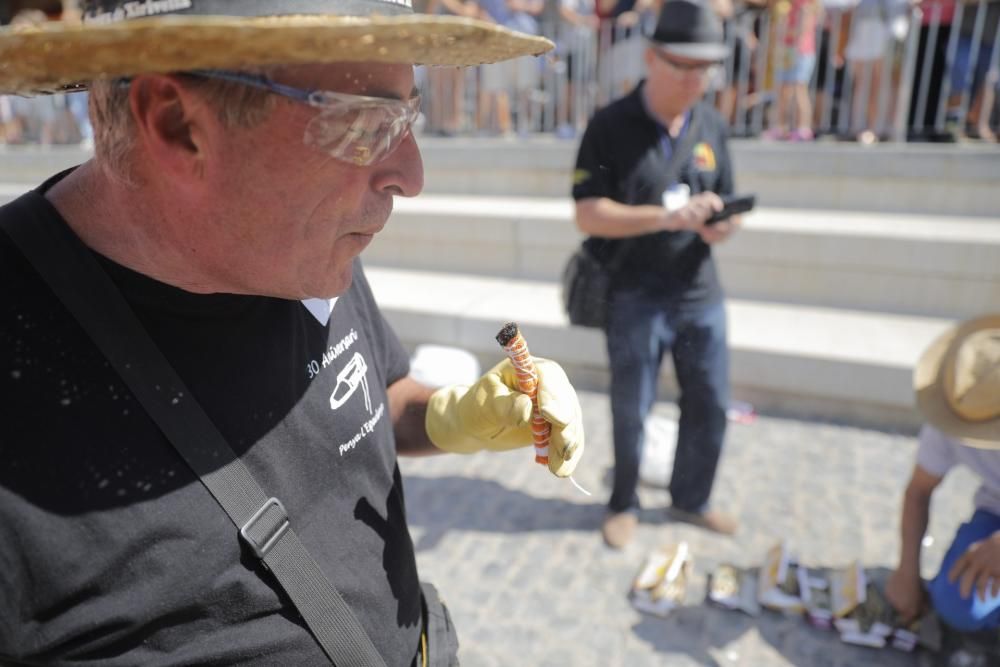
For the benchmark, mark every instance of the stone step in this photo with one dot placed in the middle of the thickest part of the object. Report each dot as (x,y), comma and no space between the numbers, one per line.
(944,179)
(922,265)
(33,164)
(954,180)
(918,265)
(807,361)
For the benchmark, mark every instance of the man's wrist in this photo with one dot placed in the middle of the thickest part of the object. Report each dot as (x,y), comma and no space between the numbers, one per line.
(667,220)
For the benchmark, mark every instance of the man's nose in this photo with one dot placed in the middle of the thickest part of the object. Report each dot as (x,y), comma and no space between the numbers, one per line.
(402,172)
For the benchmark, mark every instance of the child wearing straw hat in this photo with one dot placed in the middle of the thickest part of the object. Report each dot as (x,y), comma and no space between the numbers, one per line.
(957,383)
(203,403)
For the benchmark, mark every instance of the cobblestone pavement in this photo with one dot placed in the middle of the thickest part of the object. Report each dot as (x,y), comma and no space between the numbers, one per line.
(518,557)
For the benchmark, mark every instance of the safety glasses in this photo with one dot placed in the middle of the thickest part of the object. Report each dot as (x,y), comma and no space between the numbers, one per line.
(356,129)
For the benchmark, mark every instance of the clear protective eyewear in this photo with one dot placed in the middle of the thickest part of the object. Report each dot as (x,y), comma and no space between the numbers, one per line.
(356,129)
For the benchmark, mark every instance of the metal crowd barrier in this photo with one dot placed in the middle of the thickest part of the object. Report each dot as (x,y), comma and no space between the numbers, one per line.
(931,72)
(937,73)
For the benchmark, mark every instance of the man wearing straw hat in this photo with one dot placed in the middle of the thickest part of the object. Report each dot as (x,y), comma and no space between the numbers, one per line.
(957,384)
(203,403)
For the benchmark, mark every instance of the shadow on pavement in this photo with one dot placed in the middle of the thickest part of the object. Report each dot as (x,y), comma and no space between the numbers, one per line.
(696,631)
(439,504)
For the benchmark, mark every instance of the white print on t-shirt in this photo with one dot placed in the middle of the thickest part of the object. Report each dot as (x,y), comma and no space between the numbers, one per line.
(334,351)
(354,374)
(365,429)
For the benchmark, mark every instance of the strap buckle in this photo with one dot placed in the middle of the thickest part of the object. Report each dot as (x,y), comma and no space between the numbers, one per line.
(263,530)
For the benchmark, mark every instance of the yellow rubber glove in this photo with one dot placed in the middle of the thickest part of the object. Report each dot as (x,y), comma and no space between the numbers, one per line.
(493,414)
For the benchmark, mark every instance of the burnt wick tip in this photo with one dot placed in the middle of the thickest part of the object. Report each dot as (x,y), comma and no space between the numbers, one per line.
(507,333)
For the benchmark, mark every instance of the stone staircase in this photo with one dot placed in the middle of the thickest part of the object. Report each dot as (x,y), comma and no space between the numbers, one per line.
(853,264)
(856,259)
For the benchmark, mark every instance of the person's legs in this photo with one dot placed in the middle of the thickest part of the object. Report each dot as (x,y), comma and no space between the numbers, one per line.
(857,68)
(972,613)
(804,66)
(780,122)
(78,105)
(938,72)
(483,115)
(778,125)
(637,336)
(979,95)
(456,110)
(436,77)
(873,95)
(915,124)
(865,82)
(803,108)
(964,72)
(701,361)
(987,100)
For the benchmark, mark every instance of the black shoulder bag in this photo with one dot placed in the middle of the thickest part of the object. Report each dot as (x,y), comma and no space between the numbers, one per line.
(586,278)
(77,279)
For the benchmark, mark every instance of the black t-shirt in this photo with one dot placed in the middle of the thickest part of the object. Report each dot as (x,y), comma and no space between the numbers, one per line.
(112,551)
(622,157)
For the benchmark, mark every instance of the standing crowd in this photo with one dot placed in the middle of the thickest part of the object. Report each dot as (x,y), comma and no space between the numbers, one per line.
(860,70)
(864,70)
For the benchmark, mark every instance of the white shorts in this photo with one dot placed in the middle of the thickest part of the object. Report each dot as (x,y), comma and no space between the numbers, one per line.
(868,40)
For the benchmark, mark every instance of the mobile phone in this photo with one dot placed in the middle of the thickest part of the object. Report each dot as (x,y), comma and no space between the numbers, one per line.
(732,205)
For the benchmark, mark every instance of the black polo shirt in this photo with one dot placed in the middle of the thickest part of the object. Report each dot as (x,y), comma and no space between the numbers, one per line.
(622,157)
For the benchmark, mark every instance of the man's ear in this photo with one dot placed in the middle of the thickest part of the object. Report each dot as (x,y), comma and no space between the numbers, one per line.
(172,124)
(648,57)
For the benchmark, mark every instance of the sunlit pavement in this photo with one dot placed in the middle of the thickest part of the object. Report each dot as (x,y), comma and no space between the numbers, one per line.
(518,556)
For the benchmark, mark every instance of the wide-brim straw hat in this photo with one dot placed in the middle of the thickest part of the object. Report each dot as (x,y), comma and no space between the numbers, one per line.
(957,382)
(228,34)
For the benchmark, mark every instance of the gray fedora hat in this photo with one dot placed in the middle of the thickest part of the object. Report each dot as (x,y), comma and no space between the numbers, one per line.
(690,29)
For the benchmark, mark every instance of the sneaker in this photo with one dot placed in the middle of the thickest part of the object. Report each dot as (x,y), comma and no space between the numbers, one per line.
(867,138)
(802,134)
(717,522)
(618,529)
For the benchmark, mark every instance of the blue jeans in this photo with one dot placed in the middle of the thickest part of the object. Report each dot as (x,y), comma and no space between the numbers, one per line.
(641,328)
(966,614)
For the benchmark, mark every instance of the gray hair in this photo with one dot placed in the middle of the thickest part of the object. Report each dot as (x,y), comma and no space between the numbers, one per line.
(236,105)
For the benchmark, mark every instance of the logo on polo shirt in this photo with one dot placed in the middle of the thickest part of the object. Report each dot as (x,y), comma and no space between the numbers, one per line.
(704,157)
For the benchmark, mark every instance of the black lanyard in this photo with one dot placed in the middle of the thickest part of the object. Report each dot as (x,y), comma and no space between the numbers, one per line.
(667,143)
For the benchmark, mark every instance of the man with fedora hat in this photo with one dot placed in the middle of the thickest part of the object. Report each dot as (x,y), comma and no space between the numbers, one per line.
(649,172)
(957,382)
(203,403)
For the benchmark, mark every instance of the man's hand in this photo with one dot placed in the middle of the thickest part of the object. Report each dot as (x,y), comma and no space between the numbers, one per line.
(906,594)
(493,414)
(720,231)
(977,567)
(692,216)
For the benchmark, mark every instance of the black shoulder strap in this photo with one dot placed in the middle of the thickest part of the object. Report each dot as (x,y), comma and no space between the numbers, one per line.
(678,157)
(75,276)
(681,152)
